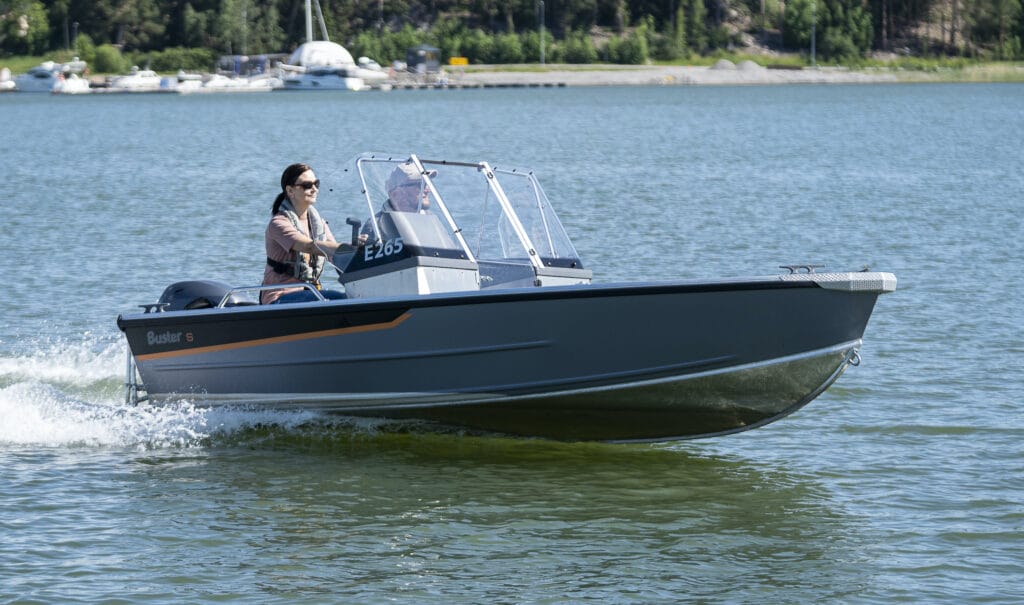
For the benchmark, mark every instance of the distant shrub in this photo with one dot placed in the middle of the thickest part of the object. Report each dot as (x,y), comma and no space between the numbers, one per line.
(668,47)
(1010,48)
(189,59)
(577,48)
(507,49)
(531,46)
(387,46)
(629,50)
(477,46)
(836,44)
(109,60)
(369,44)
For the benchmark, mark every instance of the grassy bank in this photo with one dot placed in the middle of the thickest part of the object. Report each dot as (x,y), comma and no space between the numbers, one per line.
(920,72)
(981,72)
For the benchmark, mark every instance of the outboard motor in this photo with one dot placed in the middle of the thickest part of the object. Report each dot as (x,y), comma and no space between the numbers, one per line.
(198,294)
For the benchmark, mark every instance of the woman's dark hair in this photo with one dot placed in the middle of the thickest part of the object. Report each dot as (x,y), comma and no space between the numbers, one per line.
(288,177)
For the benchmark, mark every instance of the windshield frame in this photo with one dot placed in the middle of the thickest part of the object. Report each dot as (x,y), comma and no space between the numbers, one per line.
(499,217)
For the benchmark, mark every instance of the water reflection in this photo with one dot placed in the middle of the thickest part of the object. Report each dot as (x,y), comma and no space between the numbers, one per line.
(423,514)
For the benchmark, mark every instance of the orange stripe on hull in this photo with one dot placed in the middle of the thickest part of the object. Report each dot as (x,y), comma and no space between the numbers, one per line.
(277,339)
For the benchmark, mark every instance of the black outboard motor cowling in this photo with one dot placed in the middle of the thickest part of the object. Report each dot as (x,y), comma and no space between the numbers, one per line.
(197,294)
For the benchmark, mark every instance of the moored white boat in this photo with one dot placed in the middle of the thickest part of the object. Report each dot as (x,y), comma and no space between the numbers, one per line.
(6,81)
(72,84)
(139,80)
(260,82)
(40,78)
(48,74)
(320,64)
(475,309)
(372,74)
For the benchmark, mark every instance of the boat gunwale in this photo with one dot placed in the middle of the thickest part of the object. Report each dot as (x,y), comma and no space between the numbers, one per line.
(610,290)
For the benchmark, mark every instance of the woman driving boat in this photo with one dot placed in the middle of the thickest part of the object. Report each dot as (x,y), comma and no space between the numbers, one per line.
(298,241)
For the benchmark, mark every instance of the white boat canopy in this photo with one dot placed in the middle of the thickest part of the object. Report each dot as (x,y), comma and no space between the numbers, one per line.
(321,53)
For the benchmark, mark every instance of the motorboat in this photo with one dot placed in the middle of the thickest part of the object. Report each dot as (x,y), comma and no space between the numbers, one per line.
(6,81)
(71,84)
(257,83)
(49,75)
(195,83)
(264,82)
(372,74)
(473,308)
(40,78)
(186,81)
(320,64)
(138,80)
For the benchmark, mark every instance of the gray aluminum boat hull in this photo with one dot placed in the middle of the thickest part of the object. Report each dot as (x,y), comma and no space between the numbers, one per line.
(595,362)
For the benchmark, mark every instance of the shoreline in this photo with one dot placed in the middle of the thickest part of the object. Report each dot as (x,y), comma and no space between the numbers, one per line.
(723,73)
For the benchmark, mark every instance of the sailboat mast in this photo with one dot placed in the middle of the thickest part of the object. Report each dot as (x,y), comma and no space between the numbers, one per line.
(309,21)
(323,24)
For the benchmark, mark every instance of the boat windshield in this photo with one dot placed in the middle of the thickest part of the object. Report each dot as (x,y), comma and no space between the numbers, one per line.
(456,210)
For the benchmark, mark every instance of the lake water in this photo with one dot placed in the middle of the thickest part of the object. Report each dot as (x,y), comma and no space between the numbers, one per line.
(902,483)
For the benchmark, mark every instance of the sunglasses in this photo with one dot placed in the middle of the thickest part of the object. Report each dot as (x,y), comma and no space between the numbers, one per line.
(308,184)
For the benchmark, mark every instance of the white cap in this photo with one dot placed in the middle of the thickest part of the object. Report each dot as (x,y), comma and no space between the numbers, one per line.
(406,173)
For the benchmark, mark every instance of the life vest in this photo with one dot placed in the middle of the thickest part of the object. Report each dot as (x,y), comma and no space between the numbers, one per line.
(303,267)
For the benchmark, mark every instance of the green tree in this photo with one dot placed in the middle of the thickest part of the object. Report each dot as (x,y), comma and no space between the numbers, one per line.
(843,28)
(249,27)
(195,26)
(796,30)
(1020,27)
(848,31)
(678,46)
(140,24)
(231,27)
(567,16)
(696,24)
(57,14)
(994,23)
(24,27)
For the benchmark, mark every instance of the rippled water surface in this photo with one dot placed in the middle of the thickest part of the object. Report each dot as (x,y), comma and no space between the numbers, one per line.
(902,483)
